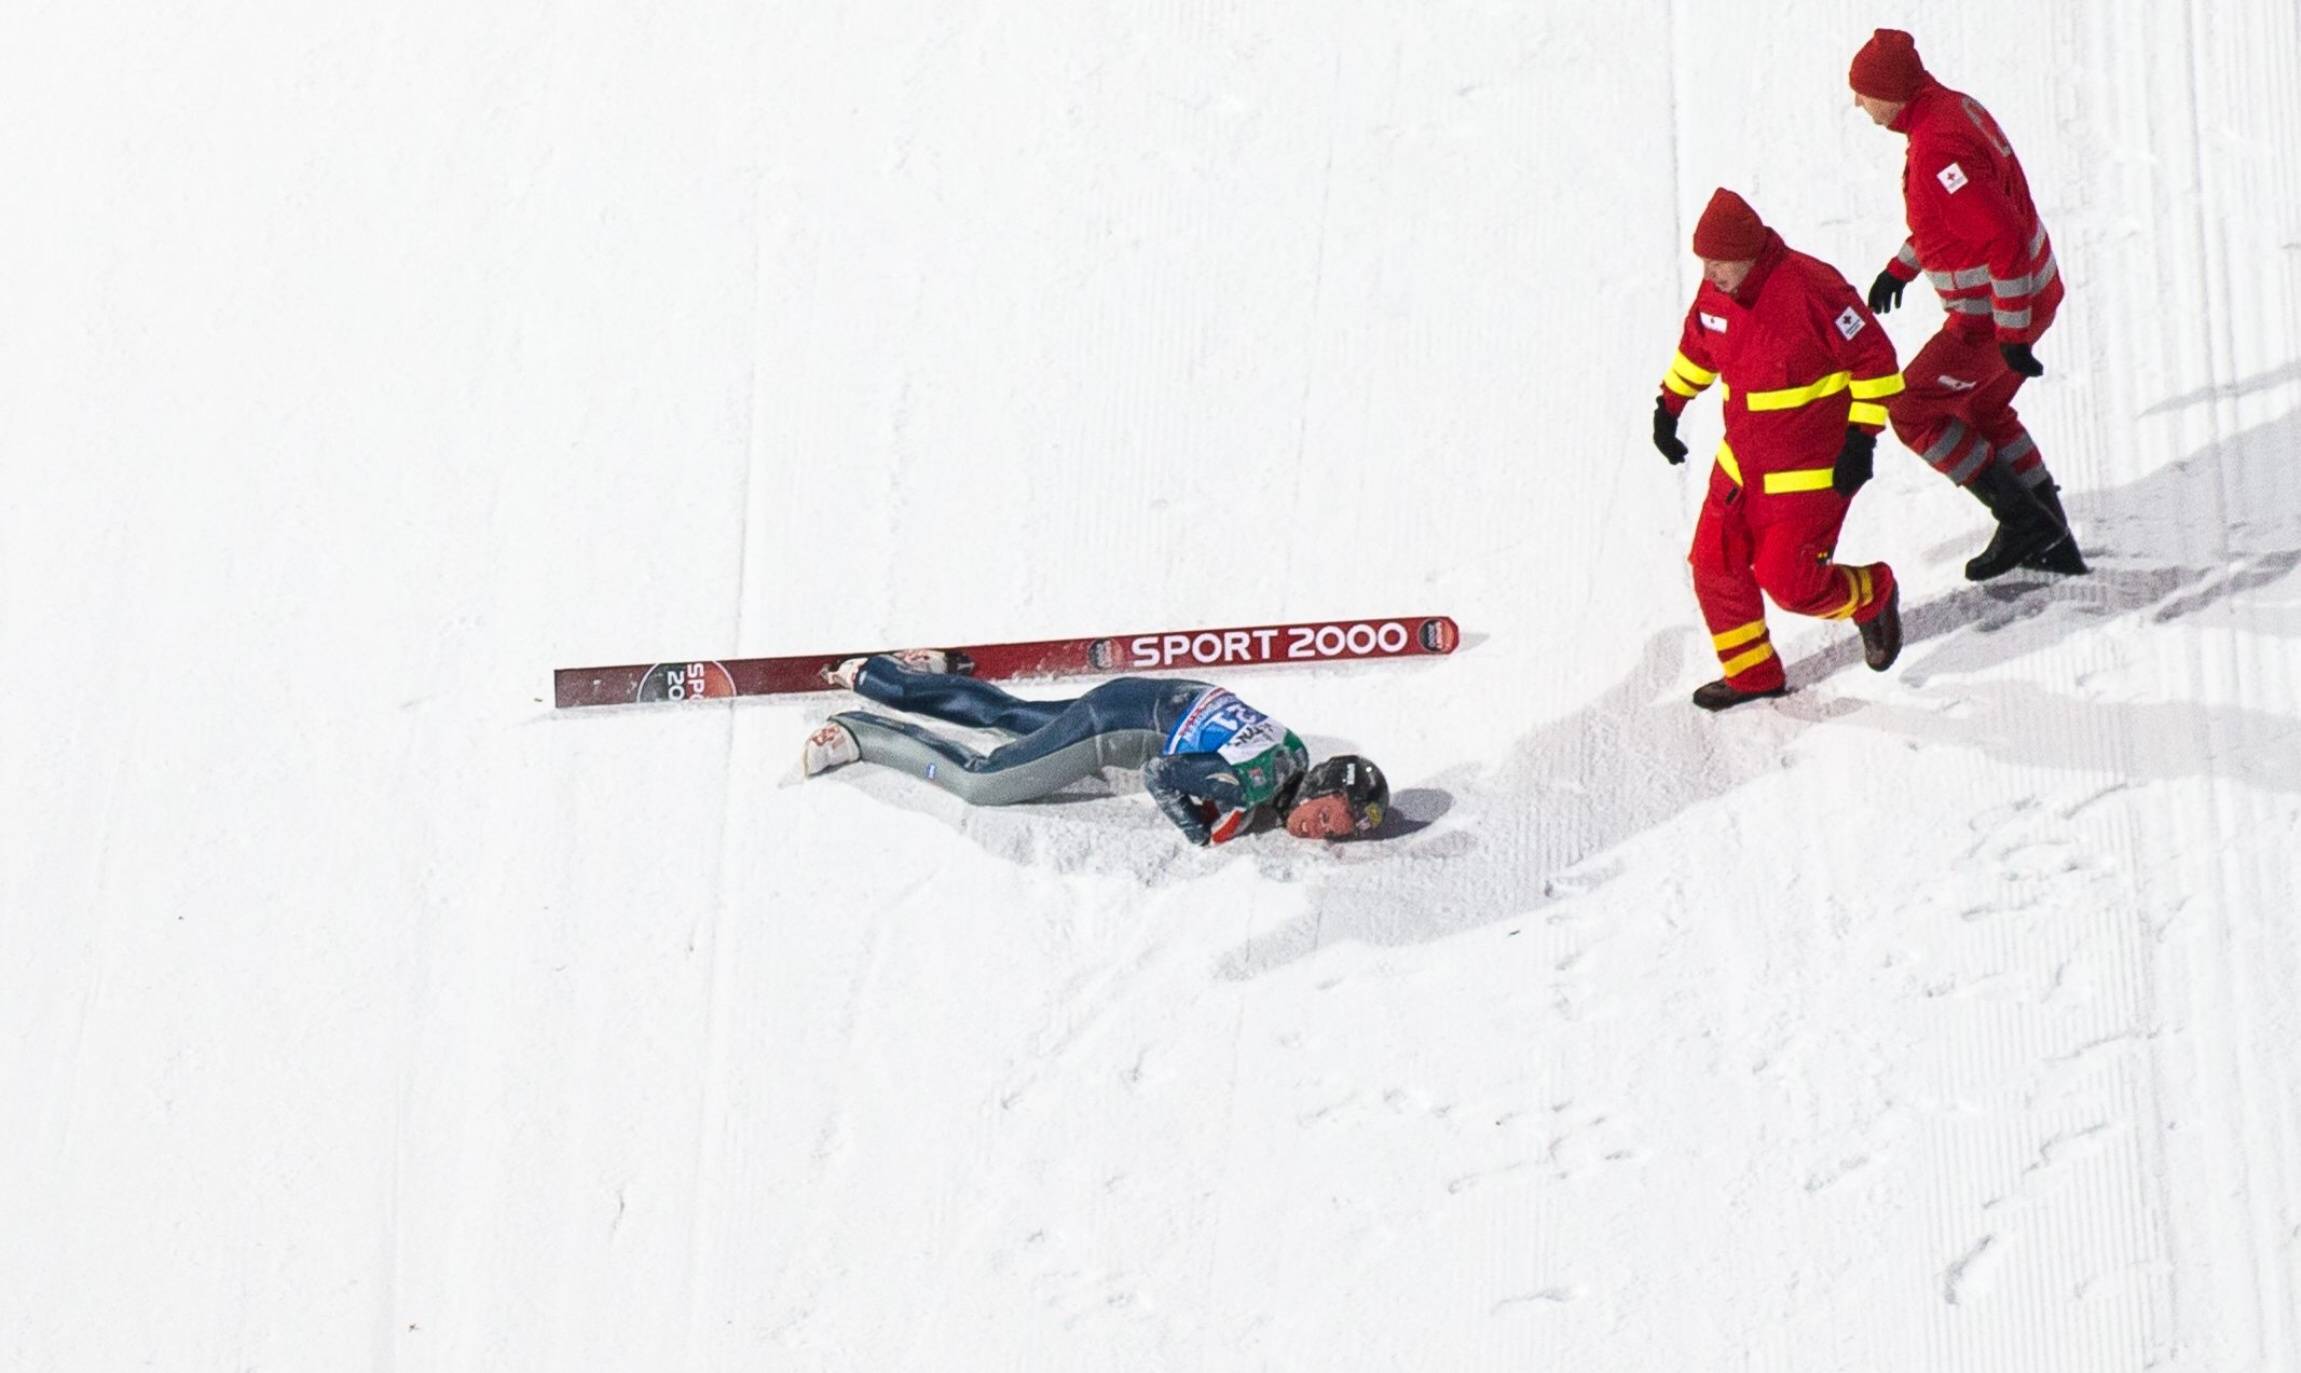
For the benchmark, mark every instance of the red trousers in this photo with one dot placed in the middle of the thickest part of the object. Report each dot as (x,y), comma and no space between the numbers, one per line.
(1956,409)
(1748,541)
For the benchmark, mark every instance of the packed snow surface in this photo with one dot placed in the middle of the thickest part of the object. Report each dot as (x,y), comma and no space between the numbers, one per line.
(359,1010)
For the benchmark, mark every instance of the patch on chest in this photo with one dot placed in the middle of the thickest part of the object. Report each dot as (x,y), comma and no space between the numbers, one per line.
(1716,322)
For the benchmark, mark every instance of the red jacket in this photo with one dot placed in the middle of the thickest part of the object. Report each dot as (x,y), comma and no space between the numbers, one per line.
(1802,358)
(1973,227)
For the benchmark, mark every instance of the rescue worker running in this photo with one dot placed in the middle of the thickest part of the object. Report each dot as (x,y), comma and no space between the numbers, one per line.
(1806,368)
(1976,234)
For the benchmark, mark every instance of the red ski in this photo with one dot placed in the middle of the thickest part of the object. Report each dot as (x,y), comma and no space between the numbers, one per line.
(1326,641)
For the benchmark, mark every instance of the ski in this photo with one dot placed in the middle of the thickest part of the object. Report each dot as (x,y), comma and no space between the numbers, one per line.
(1322,641)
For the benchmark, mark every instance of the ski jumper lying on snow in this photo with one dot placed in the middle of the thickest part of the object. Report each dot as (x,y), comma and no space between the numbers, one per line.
(1215,765)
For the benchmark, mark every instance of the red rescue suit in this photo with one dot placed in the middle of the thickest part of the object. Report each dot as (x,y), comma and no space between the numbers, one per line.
(1802,359)
(1976,234)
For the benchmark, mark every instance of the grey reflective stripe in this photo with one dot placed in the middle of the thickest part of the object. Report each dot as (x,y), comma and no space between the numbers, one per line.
(1968,305)
(1961,468)
(1960,279)
(2020,448)
(2025,285)
(1950,438)
(2011,319)
(2037,240)
(1976,458)
(1908,255)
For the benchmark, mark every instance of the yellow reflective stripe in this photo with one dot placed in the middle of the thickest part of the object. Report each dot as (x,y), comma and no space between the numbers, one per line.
(1670,381)
(1865,412)
(1737,666)
(1798,479)
(1857,592)
(1738,635)
(1726,460)
(1684,367)
(1792,397)
(1877,388)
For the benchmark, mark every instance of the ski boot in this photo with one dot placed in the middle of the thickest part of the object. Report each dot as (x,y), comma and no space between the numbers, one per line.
(916,659)
(829,747)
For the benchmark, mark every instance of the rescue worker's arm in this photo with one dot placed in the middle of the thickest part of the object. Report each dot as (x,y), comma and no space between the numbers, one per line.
(1859,344)
(1199,792)
(1886,291)
(1975,211)
(1691,370)
(1689,375)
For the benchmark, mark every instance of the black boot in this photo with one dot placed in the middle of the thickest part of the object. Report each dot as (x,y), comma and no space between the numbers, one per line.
(2063,557)
(1719,694)
(1882,634)
(2025,527)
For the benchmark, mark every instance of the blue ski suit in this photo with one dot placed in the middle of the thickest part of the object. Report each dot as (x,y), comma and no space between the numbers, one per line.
(1212,762)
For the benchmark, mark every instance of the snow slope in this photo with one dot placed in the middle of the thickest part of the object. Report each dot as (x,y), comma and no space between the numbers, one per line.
(359,1011)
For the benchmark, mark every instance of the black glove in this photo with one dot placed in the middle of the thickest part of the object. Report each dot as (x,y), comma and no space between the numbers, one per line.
(1853,465)
(2020,359)
(1886,292)
(1666,439)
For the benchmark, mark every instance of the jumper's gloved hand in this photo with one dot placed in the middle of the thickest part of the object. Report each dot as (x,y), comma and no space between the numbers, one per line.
(1666,440)
(1886,293)
(1216,824)
(2020,359)
(1853,464)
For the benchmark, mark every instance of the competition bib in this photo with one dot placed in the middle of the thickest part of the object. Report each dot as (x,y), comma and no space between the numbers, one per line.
(1219,722)
(1262,753)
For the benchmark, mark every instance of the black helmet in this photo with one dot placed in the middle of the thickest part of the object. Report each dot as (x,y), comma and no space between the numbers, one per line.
(1358,782)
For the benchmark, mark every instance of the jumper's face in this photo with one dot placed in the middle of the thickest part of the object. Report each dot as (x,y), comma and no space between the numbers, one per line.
(1727,276)
(1320,817)
(1881,112)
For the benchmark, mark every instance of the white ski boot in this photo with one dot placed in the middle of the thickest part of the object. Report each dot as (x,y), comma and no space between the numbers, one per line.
(829,747)
(916,659)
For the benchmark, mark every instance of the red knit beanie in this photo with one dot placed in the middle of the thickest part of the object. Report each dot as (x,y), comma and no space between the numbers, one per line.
(1729,230)
(1887,67)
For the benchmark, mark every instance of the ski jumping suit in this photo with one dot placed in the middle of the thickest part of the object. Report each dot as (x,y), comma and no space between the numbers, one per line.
(1976,235)
(1210,760)
(1803,359)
